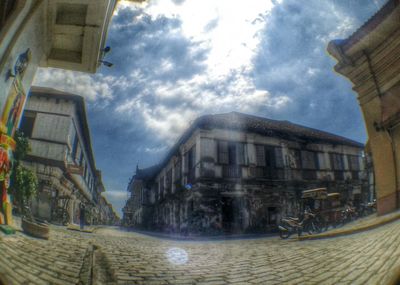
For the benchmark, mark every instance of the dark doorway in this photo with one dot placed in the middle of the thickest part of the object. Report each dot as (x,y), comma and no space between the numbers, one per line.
(6,8)
(227,213)
(272,216)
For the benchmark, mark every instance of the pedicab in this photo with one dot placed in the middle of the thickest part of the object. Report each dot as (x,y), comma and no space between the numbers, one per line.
(326,206)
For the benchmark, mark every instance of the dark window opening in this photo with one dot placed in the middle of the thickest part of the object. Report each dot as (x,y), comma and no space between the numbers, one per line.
(353,162)
(190,159)
(309,174)
(168,181)
(75,147)
(81,158)
(336,161)
(178,170)
(309,159)
(269,160)
(231,153)
(339,175)
(223,152)
(27,123)
(6,9)
(161,187)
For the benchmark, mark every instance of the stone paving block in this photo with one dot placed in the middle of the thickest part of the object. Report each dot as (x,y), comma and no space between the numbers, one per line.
(265,261)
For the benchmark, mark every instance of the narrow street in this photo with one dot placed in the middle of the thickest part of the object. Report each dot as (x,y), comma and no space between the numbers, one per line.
(111,256)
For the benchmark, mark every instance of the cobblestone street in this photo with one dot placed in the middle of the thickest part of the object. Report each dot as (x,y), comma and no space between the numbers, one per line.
(128,258)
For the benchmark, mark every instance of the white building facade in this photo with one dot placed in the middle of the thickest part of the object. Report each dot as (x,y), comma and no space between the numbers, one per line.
(61,155)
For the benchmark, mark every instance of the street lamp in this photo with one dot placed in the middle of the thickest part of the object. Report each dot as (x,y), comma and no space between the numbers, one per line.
(106,63)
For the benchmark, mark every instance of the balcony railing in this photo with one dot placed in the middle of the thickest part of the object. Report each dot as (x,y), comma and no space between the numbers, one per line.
(231,171)
(309,174)
(339,175)
(207,170)
(267,173)
(191,176)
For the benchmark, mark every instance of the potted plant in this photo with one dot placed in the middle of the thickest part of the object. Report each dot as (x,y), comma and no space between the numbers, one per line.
(24,185)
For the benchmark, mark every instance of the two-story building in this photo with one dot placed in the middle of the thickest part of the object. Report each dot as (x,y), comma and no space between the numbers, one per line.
(237,172)
(61,155)
(67,34)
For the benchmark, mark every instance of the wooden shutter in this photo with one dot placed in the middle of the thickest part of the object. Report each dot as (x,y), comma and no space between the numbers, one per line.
(223,155)
(354,163)
(278,157)
(186,163)
(260,155)
(308,159)
(240,153)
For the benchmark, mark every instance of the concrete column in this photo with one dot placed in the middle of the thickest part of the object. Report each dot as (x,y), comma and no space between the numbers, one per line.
(71,209)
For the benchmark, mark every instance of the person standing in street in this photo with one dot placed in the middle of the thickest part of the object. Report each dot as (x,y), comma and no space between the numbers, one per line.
(82,215)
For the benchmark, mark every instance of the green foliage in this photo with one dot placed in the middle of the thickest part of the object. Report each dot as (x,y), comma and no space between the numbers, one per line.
(22,146)
(24,183)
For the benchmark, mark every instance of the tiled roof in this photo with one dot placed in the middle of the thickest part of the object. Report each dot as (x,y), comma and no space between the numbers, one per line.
(146,173)
(371,24)
(249,123)
(268,127)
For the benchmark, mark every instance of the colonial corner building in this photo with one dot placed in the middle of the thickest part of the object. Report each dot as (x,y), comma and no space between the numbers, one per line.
(240,173)
(370,59)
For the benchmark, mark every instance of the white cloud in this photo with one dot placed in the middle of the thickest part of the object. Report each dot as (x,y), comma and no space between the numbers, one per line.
(92,87)
(179,103)
(235,34)
(115,194)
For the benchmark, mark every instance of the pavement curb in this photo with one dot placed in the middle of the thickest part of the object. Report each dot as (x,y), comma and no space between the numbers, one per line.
(354,230)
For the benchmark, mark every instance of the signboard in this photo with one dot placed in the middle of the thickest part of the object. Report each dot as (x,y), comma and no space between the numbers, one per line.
(74,169)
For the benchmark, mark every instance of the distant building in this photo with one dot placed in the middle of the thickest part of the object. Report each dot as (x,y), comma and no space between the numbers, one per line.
(61,155)
(235,173)
(111,216)
(139,204)
(370,59)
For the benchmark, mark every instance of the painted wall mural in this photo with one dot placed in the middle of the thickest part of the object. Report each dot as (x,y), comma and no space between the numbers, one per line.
(13,108)
(10,119)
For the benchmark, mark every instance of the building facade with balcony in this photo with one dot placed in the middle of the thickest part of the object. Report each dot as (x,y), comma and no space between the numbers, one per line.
(61,155)
(235,172)
(67,34)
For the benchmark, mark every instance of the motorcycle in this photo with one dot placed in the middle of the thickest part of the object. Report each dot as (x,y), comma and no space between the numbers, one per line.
(367,208)
(291,225)
(349,214)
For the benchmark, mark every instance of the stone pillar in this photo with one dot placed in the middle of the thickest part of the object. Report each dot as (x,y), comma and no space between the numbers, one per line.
(71,208)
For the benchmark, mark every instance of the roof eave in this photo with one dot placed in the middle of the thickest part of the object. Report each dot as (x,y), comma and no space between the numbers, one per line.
(369,35)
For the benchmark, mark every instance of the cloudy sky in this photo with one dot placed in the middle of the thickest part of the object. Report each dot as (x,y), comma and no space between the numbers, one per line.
(177,59)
